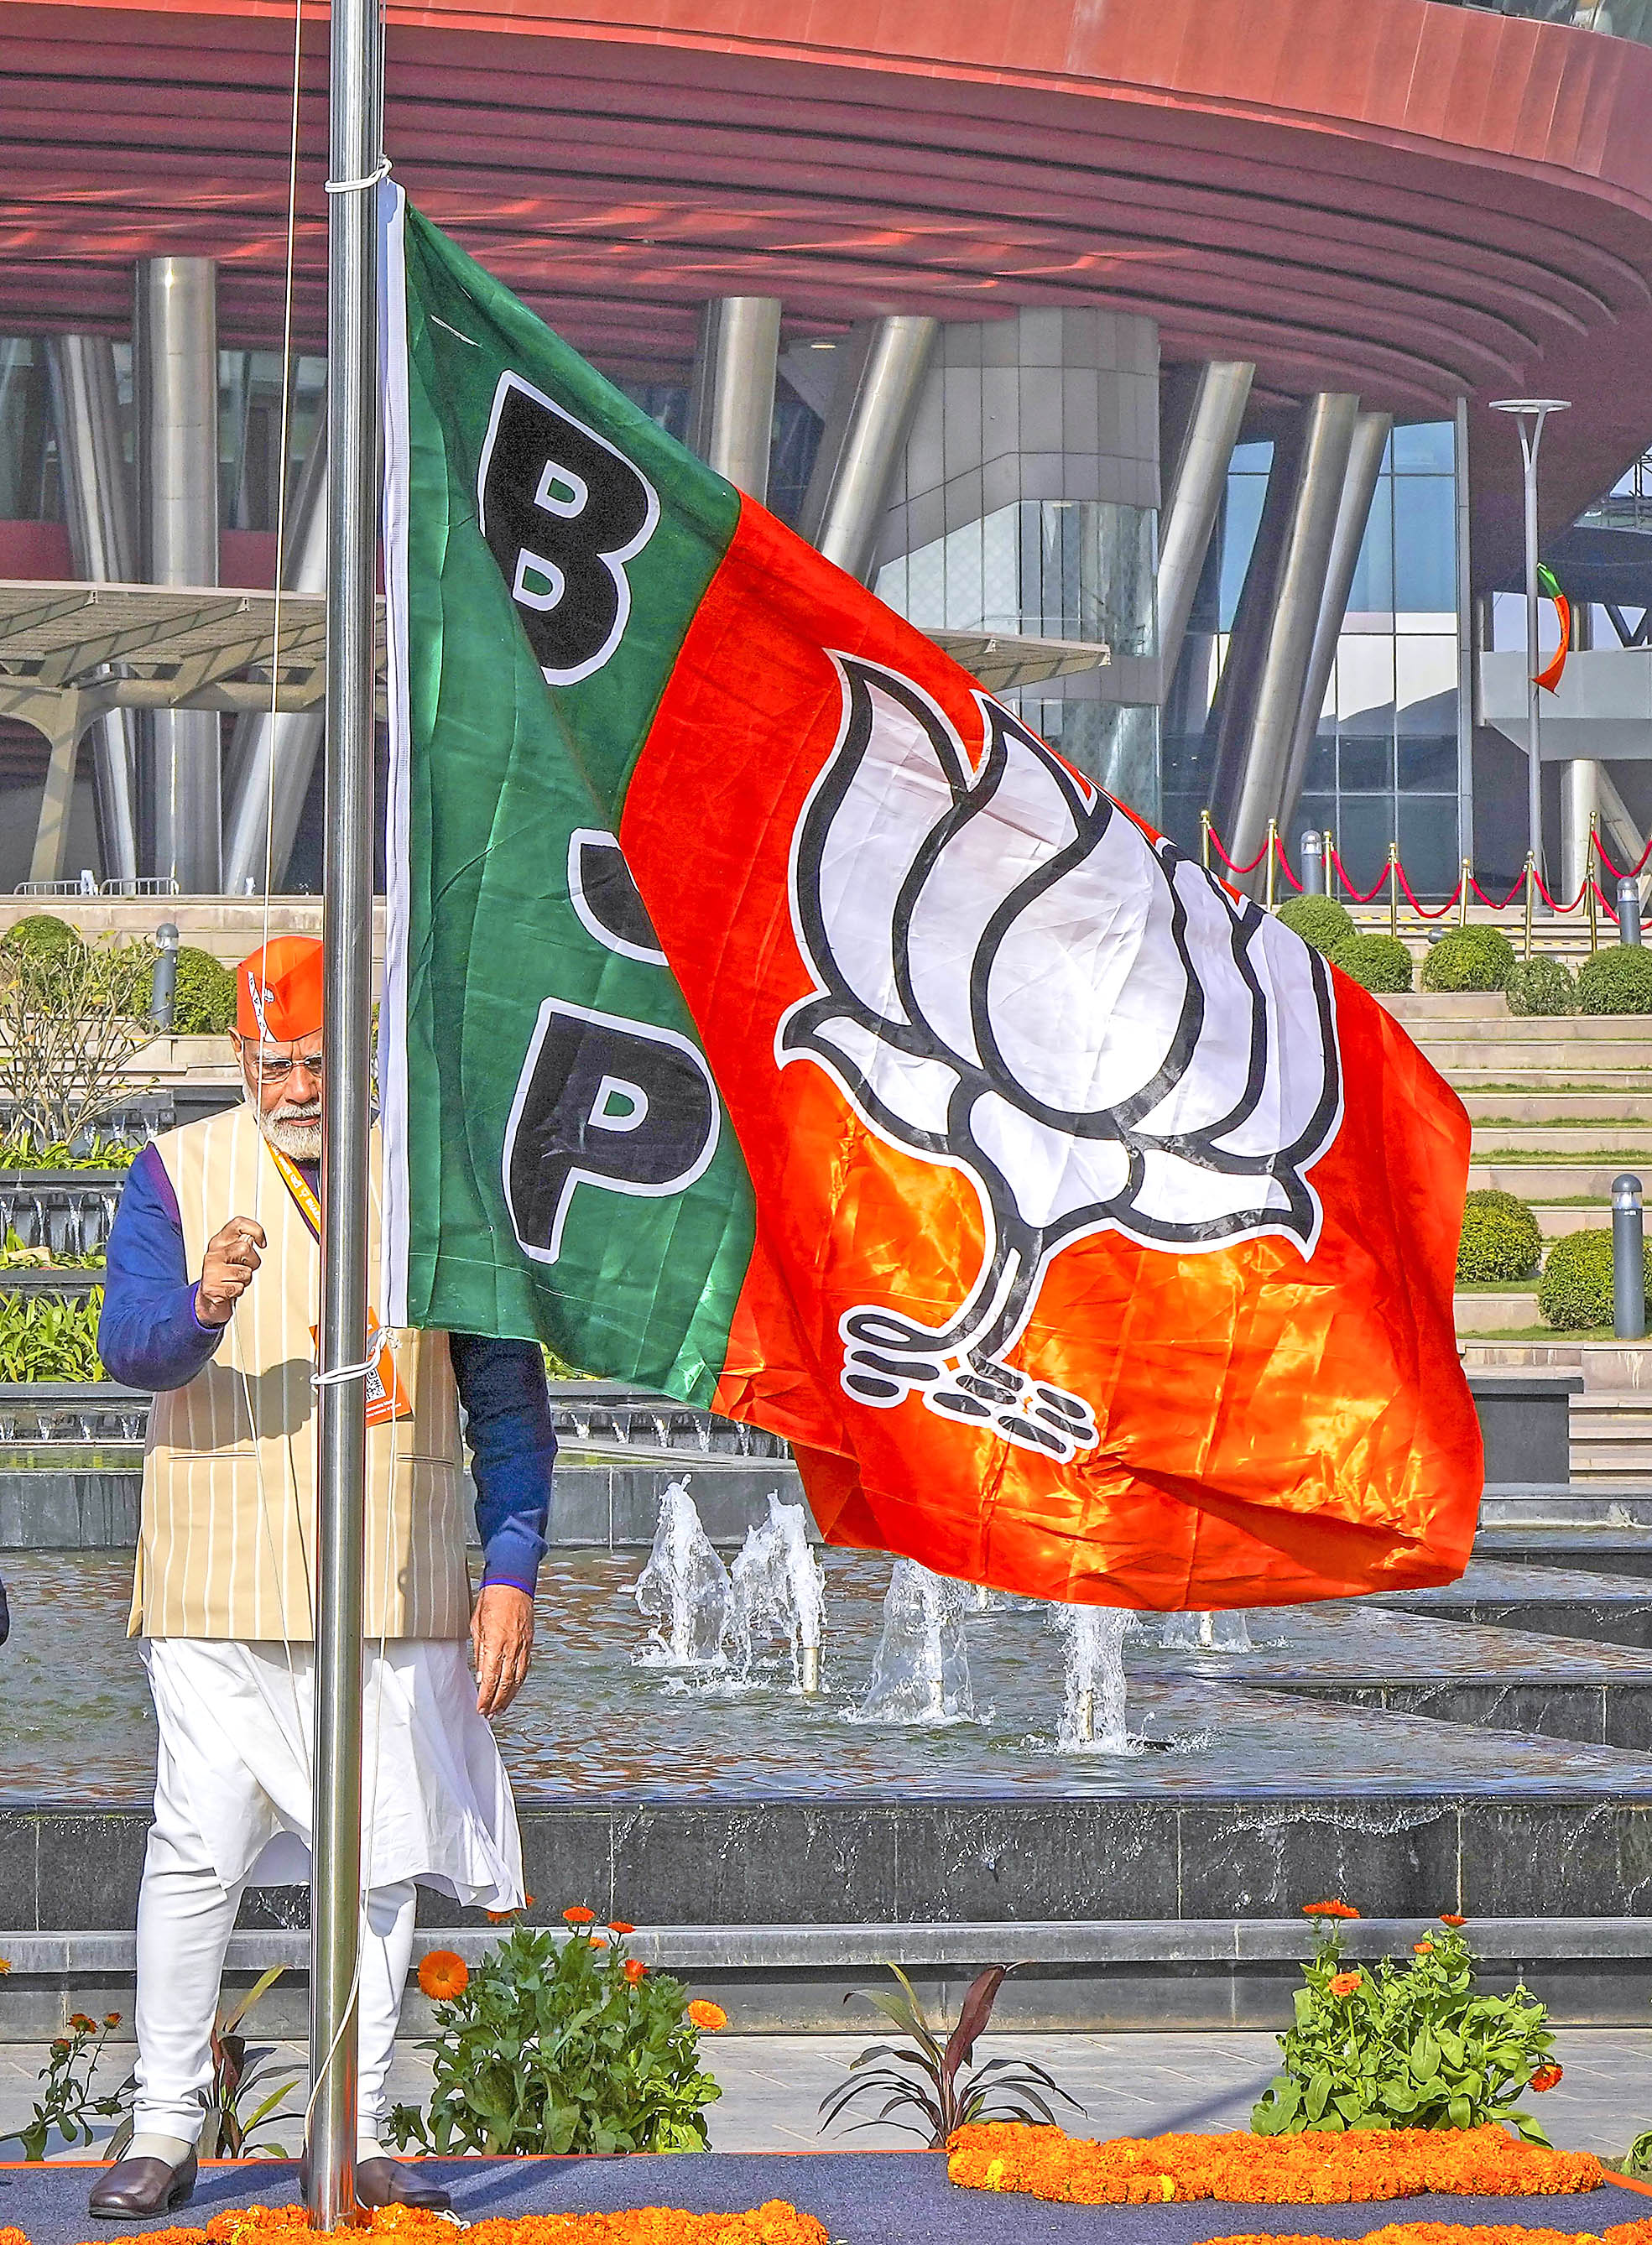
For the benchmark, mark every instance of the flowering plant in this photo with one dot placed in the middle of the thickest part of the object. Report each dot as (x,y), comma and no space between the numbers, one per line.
(1410,2046)
(67,2099)
(561,2044)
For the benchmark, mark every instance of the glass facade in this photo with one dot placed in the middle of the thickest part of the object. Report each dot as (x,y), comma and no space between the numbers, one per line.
(1384,763)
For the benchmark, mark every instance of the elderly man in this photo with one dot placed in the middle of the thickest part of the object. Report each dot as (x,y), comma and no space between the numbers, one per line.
(212,1299)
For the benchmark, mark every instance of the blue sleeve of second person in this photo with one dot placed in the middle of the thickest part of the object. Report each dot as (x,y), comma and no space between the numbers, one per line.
(149,1335)
(513,1443)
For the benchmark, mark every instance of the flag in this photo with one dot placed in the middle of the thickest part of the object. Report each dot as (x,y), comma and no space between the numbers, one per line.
(773,1020)
(1549,585)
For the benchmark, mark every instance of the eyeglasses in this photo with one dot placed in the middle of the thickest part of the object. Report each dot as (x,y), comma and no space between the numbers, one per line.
(277,1071)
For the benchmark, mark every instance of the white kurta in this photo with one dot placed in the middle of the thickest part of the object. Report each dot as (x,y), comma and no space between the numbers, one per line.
(235,1722)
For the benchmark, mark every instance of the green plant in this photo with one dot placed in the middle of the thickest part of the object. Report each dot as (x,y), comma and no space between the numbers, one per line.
(1575,1290)
(41,933)
(938,2088)
(237,2074)
(14,1255)
(556,2044)
(1468,958)
(1319,920)
(1499,1239)
(1616,981)
(204,996)
(102,1154)
(1540,985)
(1405,2046)
(74,1016)
(1376,962)
(41,1338)
(67,2103)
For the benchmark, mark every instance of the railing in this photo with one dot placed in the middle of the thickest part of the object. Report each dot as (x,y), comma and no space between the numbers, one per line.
(1591,900)
(150,885)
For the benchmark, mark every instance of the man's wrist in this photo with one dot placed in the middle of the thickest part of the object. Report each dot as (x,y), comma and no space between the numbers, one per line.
(207,1323)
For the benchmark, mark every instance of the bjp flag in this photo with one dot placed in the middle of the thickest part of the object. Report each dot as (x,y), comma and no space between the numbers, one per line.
(773,1020)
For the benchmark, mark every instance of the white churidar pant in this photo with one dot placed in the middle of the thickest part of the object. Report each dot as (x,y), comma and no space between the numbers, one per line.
(232,1807)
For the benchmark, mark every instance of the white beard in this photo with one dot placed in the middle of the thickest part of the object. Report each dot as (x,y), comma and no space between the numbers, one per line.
(296,1133)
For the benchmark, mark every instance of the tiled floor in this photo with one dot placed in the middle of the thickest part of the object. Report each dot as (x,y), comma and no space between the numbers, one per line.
(1129,2085)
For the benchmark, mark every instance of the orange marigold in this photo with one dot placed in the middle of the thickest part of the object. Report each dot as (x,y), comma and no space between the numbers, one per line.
(618,1925)
(1422,1949)
(5,1966)
(1344,1983)
(1546,2077)
(112,2018)
(1327,1909)
(708,2017)
(634,1969)
(599,1941)
(1448,1917)
(443,1975)
(81,2023)
(580,1916)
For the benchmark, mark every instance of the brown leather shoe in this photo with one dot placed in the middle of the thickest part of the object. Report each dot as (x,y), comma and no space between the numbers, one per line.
(135,2190)
(387,2183)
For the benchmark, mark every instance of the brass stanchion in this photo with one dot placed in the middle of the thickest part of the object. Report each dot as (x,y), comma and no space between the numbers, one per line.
(1531,877)
(1464,894)
(1273,861)
(1393,890)
(1204,839)
(1589,885)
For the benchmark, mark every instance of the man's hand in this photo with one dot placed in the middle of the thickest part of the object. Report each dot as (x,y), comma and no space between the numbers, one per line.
(501,1645)
(226,1271)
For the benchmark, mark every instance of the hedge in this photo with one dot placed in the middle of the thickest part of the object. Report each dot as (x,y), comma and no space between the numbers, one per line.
(1468,958)
(1499,1239)
(1575,1290)
(1618,980)
(1376,962)
(39,932)
(204,1001)
(1540,986)
(1319,920)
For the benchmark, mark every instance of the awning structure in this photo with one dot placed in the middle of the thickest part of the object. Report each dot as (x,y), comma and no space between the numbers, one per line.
(69,654)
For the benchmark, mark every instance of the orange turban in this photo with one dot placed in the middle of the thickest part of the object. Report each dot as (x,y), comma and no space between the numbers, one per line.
(278,991)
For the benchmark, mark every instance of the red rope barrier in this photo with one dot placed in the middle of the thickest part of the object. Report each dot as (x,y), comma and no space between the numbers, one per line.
(1607,909)
(1215,844)
(1360,896)
(1542,891)
(1519,881)
(1284,864)
(1616,874)
(1441,911)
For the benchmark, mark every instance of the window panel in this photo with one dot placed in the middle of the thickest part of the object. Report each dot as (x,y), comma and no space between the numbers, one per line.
(1372,591)
(1428,843)
(1365,682)
(1364,828)
(1426,447)
(1427,762)
(1425,682)
(1367,764)
(1425,544)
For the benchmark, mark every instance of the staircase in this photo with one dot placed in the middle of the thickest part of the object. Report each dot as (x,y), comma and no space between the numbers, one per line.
(1559,1108)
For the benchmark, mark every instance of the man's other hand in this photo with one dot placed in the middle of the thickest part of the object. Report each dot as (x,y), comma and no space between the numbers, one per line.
(226,1271)
(501,1645)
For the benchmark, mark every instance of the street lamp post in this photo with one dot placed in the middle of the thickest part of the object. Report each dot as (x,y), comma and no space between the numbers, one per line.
(1530,413)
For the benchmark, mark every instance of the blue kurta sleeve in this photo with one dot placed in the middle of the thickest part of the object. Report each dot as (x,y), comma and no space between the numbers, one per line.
(149,1335)
(501,1384)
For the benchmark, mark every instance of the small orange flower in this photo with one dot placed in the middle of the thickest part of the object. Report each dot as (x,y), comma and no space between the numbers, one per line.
(1327,1909)
(500,1916)
(112,2018)
(599,1941)
(635,1968)
(1422,1949)
(580,1916)
(618,1925)
(1546,2077)
(81,2023)
(444,1975)
(1446,1918)
(708,2017)
(1344,1983)
(5,1965)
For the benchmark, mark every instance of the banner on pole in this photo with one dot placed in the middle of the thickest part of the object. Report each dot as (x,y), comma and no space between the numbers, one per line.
(772,1020)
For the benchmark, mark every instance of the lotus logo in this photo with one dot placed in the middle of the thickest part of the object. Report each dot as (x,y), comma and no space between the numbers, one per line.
(1013,980)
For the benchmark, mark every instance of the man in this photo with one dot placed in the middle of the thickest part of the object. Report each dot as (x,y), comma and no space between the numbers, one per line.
(212,1299)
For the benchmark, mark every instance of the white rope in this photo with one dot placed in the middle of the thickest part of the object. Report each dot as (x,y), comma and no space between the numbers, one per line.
(380,171)
(341,1372)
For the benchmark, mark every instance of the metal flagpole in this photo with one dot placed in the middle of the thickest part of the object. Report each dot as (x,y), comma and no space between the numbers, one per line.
(355,116)
(1537,408)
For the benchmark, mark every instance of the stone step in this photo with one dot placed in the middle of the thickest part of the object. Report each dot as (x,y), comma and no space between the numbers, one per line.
(1562,1141)
(1555,1219)
(1501,1028)
(1552,1079)
(1499,1062)
(1552,1181)
(1495,1312)
(1577,1108)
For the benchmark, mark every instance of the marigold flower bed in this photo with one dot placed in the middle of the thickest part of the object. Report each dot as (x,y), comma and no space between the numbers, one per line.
(1452,2233)
(777,2223)
(1305,2170)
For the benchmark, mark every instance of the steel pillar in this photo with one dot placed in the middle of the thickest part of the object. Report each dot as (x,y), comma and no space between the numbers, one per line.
(272,759)
(1255,746)
(731,402)
(1193,497)
(1580,809)
(85,410)
(176,338)
(879,378)
(1365,452)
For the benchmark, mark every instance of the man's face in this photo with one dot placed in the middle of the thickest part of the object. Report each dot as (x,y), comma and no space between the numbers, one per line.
(284,1089)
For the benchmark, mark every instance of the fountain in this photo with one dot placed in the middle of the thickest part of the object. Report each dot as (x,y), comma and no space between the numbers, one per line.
(1225,1633)
(920,1673)
(776,1584)
(1093,1711)
(1197,1632)
(684,1588)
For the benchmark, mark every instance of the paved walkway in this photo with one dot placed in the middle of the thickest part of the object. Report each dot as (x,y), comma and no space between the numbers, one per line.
(1129,2085)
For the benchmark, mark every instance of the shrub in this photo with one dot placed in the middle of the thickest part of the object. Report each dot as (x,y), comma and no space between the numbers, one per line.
(1575,1290)
(1376,962)
(553,2045)
(74,1017)
(1499,1239)
(204,1001)
(1319,920)
(1617,981)
(43,1337)
(1468,959)
(1405,2046)
(1540,986)
(39,932)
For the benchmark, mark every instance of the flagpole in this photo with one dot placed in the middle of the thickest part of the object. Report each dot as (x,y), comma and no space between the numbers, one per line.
(354,148)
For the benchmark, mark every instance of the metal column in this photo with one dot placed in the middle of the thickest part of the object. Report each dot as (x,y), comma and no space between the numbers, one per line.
(1580,814)
(1359,486)
(880,377)
(85,410)
(272,759)
(1257,756)
(175,336)
(1193,497)
(731,404)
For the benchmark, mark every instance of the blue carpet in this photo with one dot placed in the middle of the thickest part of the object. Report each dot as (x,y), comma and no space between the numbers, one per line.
(862,2198)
